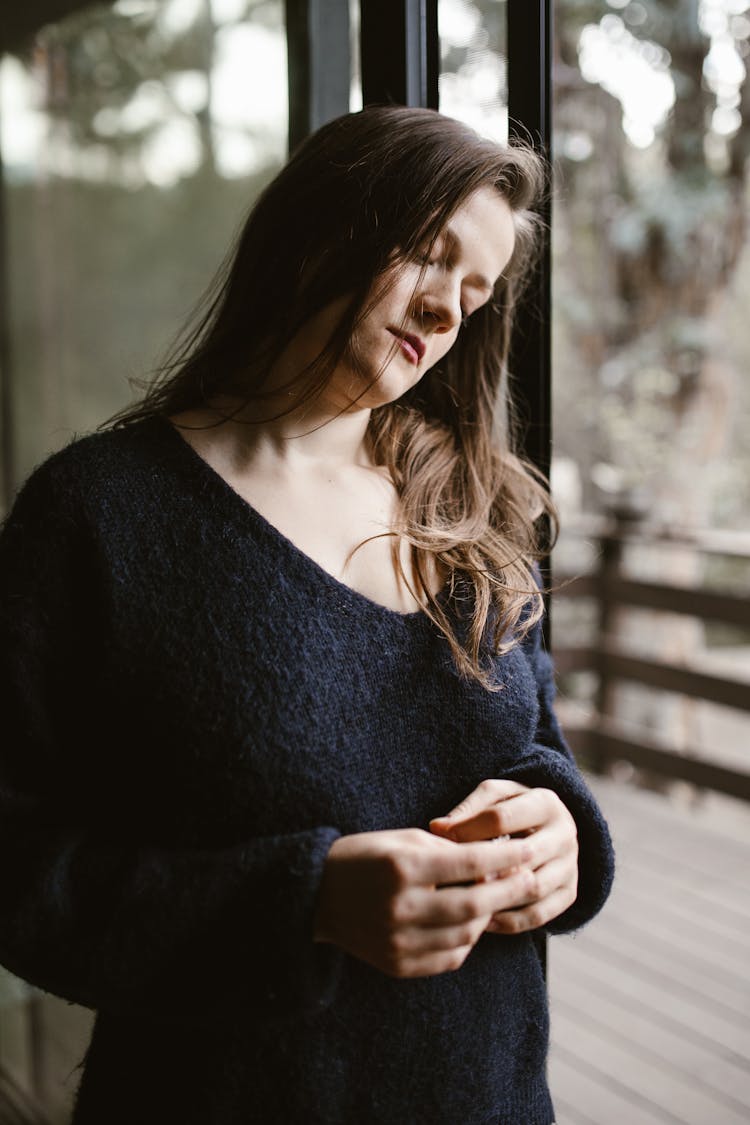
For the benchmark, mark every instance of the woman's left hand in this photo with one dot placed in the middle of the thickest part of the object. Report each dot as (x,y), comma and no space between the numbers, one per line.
(506,808)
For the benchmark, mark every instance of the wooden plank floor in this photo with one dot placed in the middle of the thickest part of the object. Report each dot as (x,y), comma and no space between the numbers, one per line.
(651,1002)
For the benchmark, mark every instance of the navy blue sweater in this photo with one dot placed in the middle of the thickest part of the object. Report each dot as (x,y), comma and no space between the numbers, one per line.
(193,711)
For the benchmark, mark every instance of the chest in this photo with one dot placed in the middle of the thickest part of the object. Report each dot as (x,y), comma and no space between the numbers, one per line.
(253,693)
(344,524)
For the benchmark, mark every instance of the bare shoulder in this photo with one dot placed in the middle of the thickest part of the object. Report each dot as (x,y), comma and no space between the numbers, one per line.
(208,433)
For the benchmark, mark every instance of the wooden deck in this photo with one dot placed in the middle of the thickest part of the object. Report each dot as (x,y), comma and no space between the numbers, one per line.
(651,1002)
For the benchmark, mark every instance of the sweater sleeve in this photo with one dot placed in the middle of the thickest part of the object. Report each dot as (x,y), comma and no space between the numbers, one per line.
(183,935)
(550,764)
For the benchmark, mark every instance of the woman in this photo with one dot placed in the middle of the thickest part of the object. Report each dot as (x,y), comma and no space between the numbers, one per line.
(287,799)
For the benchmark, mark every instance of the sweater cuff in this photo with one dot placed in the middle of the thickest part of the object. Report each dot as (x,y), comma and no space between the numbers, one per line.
(595,858)
(595,851)
(319,968)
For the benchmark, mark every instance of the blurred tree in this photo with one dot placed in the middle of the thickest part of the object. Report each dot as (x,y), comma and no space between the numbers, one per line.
(649,239)
(650,268)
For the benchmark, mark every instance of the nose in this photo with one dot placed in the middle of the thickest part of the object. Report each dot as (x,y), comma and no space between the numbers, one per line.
(439,304)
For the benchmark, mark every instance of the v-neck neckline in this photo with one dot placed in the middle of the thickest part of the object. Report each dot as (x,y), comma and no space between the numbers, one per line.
(288,545)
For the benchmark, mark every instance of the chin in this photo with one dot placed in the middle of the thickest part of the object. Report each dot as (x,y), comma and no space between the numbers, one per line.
(370,386)
(382,394)
(393,382)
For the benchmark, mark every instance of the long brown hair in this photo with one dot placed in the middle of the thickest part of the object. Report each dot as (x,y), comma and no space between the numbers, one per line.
(367,190)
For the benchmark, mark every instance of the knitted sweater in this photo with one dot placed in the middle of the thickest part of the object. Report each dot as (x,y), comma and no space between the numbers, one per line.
(193,710)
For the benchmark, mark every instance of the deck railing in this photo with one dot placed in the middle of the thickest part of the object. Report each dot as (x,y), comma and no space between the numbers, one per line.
(603,738)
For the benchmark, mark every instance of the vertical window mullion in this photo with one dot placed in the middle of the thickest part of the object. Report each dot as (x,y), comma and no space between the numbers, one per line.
(529,111)
(530,118)
(7,436)
(400,56)
(319,64)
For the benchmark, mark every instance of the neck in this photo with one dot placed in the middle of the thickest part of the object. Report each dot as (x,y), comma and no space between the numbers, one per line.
(310,435)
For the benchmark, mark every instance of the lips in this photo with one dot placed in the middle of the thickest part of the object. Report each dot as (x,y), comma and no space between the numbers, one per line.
(414,348)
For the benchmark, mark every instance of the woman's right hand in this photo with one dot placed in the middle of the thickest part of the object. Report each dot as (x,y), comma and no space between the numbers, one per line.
(413,904)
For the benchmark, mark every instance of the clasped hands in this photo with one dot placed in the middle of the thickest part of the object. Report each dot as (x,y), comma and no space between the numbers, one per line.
(414,903)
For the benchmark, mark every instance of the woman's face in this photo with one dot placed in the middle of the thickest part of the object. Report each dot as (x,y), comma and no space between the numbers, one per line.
(413,324)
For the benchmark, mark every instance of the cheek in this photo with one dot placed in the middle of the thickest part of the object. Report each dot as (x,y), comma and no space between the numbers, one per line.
(441,346)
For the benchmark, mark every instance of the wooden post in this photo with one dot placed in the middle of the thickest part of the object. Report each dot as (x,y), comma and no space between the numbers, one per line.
(610,561)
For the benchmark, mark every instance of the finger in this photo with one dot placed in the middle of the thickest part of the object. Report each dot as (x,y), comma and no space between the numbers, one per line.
(488,859)
(533,916)
(467,863)
(557,841)
(414,941)
(487,793)
(549,878)
(429,964)
(450,906)
(522,812)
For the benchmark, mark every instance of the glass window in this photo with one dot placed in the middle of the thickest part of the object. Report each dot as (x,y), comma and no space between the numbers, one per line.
(650,258)
(134,138)
(651,285)
(473,73)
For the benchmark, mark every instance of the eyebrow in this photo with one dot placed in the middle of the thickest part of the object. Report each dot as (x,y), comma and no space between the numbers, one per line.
(482,281)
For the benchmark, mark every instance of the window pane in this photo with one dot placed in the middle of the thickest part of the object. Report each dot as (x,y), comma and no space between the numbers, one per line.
(134,138)
(651,286)
(355,95)
(473,71)
(651,259)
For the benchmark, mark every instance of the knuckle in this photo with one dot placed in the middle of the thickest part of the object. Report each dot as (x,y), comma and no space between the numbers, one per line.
(516,922)
(456,958)
(398,945)
(535,916)
(399,869)
(466,934)
(474,868)
(507,923)
(478,867)
(466,910)
(531,883)
(400,910)
(392,912)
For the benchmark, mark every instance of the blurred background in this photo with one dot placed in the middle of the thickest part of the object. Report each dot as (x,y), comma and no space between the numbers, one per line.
(134,136)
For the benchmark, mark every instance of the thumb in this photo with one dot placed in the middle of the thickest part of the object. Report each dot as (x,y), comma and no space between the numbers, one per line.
(488,793)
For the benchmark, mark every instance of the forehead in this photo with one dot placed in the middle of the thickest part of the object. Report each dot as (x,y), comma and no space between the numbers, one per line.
(483,230)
